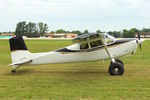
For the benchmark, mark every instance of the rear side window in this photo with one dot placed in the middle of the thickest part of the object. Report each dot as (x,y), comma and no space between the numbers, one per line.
(96,43)
(84,46)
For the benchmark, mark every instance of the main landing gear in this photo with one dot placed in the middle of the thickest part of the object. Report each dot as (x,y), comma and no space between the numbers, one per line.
(116,68)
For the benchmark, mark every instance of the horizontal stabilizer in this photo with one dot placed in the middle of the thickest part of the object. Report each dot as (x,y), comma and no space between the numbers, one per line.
(21,62)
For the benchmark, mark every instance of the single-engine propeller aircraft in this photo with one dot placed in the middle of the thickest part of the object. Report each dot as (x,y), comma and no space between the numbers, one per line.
(87,47)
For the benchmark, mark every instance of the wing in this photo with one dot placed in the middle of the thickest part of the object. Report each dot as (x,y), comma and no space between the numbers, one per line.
(87,38)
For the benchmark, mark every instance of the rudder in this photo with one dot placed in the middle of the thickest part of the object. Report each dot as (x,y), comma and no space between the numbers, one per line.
(17,43)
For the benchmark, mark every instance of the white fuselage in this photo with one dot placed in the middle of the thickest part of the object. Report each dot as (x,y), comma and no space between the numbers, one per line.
(82,56)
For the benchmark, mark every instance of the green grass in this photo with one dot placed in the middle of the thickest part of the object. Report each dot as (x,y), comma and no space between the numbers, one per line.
(74,81)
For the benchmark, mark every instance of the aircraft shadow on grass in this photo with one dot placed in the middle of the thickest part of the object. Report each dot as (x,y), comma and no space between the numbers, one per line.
(61,72)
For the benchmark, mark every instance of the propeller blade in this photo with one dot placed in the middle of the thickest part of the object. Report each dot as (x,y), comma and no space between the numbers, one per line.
(139,41)
(139,36)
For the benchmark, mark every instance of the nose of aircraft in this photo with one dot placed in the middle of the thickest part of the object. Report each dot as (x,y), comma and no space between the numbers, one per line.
(139,42)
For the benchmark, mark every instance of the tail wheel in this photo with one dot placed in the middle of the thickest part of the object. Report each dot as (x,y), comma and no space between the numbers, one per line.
(13,71)
(116,68)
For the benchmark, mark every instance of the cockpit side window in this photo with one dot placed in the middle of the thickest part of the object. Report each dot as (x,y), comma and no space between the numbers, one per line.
(96,43)
(84,46)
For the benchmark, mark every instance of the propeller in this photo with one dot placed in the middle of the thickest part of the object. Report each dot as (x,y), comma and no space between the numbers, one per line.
(140,41)
(139,36)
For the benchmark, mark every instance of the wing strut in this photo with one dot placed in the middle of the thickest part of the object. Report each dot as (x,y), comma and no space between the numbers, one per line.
(88,41)
(106,49)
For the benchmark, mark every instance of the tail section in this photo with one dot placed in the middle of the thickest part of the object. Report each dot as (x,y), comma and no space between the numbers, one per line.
(17,43)
(19,51)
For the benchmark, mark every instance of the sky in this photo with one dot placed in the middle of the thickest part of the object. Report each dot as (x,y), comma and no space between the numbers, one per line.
(106,15)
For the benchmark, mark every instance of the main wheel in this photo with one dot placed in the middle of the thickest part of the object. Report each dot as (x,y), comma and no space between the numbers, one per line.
(118,60)
(116,68)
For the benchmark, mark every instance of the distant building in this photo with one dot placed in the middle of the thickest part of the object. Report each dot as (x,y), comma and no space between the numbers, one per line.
(59,35)
(7,34)
(62,35)
(144,35)
(70,35)
(50,35)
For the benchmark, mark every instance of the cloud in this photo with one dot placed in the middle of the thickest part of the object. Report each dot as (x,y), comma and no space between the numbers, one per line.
(73,14)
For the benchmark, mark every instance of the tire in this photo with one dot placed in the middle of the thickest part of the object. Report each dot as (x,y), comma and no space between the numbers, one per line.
(116,68)
(118,60)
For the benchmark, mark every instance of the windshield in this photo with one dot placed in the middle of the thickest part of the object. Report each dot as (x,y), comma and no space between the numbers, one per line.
(98,42)
(109,39)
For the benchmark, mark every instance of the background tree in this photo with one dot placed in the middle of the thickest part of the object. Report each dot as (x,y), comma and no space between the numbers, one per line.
(145,30)
(60,31)
(85,32)
(129,34)
(67,32)
(45,28)
(115,34)
(21,29)
(132,32)
(77,32)
(125,33)
(42,28)
(52,32)
(31,30)
(98,31)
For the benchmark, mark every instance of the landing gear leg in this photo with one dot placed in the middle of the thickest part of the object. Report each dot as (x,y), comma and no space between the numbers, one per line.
(118,60)
(116,68)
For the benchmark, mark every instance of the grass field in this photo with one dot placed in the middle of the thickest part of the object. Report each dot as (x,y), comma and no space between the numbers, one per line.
(75,81)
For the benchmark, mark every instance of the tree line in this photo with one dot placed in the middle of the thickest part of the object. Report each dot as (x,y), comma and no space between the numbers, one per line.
(32,29)
(117,34)
(74,31)
(125,33)
(129,33)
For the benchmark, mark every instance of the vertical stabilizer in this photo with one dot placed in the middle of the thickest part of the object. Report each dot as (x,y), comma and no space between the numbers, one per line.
(19,51)
(17,43)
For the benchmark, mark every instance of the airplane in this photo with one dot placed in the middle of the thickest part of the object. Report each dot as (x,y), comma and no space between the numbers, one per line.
(86,47)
